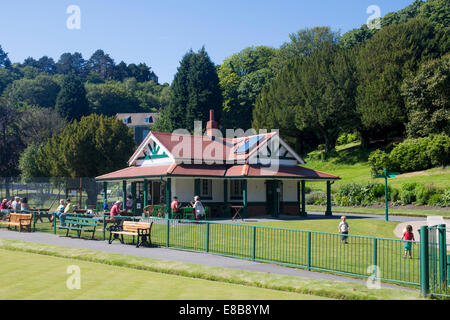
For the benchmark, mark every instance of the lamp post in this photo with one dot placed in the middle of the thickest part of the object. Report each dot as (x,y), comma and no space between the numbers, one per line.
(386,175)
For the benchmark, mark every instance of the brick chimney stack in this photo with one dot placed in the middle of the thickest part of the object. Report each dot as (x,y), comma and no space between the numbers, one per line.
(211,125)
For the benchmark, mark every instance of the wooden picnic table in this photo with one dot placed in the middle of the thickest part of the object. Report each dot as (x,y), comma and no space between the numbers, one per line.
(237,212)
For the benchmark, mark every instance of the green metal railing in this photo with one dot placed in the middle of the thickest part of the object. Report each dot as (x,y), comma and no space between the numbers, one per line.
(310,250)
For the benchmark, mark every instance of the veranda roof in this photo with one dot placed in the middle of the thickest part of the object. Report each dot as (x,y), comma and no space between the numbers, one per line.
(217,171)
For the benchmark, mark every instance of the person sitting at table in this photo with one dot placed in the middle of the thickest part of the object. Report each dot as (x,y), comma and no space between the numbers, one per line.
(60,212)
(24,205)
(15,205)
(129,203)
(4,204)
(175,205)
(198,208)
(115,210)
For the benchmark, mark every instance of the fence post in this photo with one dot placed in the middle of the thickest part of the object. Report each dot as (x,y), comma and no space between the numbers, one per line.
(442,256)
(167,232)
(207,237)
(104,226)
(34,221)
(254,244)
(375,248)
(54,222)
(308,257)
(424,267)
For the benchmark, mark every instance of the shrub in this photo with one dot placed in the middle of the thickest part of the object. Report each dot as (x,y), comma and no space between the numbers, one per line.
(346,138)
(410,155)
(424,193)
(378,160)
(407,197)
(446,198)
(435,200)
(316,197)
(438,150)
(358,194)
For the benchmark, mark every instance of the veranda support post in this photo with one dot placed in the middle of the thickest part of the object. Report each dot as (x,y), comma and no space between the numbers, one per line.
(424,262)
(124,194)
(145,194)
(133,196)
(303,212)
(244,198)
(168,197)
(328,211)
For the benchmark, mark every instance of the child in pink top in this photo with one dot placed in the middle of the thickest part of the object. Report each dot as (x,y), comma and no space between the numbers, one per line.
(408,235)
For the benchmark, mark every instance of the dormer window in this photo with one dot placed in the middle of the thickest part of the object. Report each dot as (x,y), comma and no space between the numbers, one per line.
(149,120)
(127,120)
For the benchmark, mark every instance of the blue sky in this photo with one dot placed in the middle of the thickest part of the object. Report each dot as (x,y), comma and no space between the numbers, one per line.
(159,33)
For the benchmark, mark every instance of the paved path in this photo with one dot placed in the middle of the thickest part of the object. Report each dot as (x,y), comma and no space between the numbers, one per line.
(176,255)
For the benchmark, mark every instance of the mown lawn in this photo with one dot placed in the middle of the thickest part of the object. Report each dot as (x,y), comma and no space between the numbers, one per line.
(46,278)
(27,276)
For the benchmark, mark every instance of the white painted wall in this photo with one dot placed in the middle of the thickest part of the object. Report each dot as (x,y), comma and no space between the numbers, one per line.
(290,190)
(256,189)
(183,188)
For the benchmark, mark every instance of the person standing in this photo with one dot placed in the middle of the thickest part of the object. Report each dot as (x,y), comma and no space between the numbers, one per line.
(408,235)
(198,208)
(343,229)
(175,205)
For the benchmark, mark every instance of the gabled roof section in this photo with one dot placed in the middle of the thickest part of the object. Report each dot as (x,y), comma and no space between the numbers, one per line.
(187,148)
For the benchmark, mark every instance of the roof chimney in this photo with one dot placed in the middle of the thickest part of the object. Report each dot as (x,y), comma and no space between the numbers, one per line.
(211,125)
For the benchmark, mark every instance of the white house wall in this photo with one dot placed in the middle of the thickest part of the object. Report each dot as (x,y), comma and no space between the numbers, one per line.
(289,190)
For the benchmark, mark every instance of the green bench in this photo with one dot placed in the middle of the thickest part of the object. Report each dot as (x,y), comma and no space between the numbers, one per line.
(79,224)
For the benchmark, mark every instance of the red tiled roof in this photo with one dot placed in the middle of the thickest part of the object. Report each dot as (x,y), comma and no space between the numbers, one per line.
(203,147)
(231,171)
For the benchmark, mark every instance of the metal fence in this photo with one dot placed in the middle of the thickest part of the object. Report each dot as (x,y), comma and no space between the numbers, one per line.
(362,256)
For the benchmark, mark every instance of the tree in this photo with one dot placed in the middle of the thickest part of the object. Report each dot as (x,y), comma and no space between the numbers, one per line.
(314,93)
(71,102)
(427,98)
(386,59)
(435,11)
(37,125)
(91,147)
(4,60)
(72,63)
(11,144)
(303,43)
(195,90)
(240,85)
(111,97)
(40,91)
(102,64)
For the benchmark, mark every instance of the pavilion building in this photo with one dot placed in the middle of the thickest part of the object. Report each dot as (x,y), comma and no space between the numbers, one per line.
(261,173)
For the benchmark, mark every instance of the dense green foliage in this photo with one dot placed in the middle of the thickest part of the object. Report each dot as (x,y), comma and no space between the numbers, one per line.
(71,102)
(316,92)
(194,91)
(242,76)
(413,155)
(382,64)
(427,98)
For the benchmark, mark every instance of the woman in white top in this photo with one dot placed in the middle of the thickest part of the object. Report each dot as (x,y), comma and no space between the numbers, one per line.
(198,208)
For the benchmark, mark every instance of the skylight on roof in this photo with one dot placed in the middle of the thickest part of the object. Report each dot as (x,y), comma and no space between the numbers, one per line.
(246,146)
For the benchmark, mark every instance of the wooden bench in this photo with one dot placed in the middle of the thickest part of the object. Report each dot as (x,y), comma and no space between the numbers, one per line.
(21,220)
(79,224)
(130,228)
